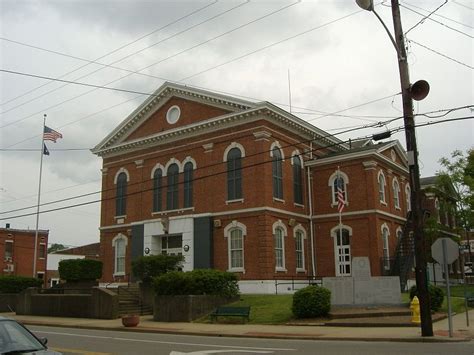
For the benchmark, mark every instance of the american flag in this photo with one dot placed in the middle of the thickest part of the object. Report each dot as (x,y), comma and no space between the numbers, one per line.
(340,194)
(50,134)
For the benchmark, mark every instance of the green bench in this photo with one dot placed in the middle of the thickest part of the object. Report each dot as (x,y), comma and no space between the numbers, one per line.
(226,311)
(470,300)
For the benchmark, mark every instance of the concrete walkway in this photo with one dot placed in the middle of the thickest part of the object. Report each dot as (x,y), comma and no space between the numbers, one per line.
(315,332)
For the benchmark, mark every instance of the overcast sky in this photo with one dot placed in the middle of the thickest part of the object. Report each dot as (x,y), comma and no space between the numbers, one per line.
(335,57)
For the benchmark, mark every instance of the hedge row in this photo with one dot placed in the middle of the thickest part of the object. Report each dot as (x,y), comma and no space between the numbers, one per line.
(145,268)
(197,282)
(16,284)
(311,301)
(80,269)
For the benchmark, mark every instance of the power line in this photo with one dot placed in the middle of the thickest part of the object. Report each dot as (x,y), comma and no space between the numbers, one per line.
(459,4)
(444,17)
(438,22)
(131,72)
(439,53)
(101,57)
(394,130)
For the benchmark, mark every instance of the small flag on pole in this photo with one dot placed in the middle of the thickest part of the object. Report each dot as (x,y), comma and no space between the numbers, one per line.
(45,150)
(51,135)
(340,194)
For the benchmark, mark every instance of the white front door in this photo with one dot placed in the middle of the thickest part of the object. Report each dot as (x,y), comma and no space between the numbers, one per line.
(342,253)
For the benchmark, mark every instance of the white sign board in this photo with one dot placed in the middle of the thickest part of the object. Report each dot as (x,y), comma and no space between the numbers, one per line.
(452,250)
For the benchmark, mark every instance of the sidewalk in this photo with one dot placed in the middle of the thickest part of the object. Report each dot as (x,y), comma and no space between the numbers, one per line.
(316,332)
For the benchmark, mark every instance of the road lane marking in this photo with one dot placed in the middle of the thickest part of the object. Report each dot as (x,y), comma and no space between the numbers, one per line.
(78,351)
(163,342)
(205,352)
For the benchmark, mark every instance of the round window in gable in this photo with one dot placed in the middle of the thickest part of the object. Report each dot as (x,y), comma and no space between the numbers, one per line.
(172,116)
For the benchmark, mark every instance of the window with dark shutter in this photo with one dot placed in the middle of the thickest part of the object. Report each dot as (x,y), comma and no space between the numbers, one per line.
(121,195)
(157,190)
(188,184)
(297,180)
(234,174)
(277,173)
(172,192)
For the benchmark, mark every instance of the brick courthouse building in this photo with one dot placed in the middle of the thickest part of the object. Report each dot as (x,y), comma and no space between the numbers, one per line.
(224,182)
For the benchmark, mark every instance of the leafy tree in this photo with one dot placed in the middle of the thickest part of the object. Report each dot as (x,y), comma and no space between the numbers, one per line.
(458,172)
(56,247)
(146,268)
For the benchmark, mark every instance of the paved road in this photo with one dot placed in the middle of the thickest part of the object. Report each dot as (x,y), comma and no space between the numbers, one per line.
(101,342)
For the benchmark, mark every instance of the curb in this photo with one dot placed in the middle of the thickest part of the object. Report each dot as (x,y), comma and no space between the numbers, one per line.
(434,339)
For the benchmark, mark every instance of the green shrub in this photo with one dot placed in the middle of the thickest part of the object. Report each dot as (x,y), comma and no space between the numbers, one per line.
(436,296)
(80,269)
(16,284)
(146,268)
(311,301)
(197,282)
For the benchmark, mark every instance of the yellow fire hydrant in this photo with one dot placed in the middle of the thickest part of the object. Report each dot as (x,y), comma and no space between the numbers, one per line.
(415,310)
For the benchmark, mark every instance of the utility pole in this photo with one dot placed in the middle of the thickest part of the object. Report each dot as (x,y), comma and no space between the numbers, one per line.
(420,247)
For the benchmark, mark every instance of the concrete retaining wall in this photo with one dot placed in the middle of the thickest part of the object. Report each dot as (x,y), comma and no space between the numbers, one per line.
(100,304)
(185,308)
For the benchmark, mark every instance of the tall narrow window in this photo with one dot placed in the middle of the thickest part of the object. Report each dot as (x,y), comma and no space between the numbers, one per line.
(236,249)
(338,183)
(408,197)
(297,180)
(277,173)
(381,181)
(299,247)
(121,195)
(157,190)
(386,252)
(279,249)
(8,249)
(396,194)
(234,174)
(188,184)
(42,251)
(342,250)
(120,244)
(172,191)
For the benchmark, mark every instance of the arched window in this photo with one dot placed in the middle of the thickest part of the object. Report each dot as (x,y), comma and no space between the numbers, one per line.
(408,197)
(172,191)
(396,193)
(121,194)
(385,244)
(338,179)
(157,190)
(342,249)
(277,173)
(188,184)
(297,179)
(235,233)
(381,181)
(279,234)
(234,174)
(119,243)
(299,248)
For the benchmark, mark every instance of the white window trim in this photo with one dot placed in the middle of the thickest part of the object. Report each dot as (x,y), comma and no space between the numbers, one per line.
(299,228)
(334,231)
(276,144)
(297,154)
(333,177)
(155,168)
(280,224)
(189,159)
(383,200)
(45,251)
(396,193)
(383,228)
(408,196)
(120,236)
(121,170)
(227,230)
(399,230)
(232,146)
(171,162)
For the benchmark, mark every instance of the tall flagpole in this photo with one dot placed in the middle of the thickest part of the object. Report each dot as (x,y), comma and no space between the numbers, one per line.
(39,197)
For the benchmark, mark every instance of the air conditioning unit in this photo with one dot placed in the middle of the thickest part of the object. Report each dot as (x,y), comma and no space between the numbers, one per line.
(9,268)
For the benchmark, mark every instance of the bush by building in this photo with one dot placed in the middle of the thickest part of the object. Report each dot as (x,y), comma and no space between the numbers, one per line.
(197,282)
(80,269)
(16,284)
(145,268)
(311,301)
(436,296)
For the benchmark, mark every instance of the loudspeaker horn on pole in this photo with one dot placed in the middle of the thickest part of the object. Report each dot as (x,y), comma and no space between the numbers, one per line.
(419,90)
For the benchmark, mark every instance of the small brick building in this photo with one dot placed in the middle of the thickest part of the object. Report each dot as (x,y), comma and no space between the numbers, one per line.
(245,187)
(17,247)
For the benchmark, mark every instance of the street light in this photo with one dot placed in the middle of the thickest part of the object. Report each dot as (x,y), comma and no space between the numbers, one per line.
(418,92)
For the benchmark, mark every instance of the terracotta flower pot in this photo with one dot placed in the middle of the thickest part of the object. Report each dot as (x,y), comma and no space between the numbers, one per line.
(130,320)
